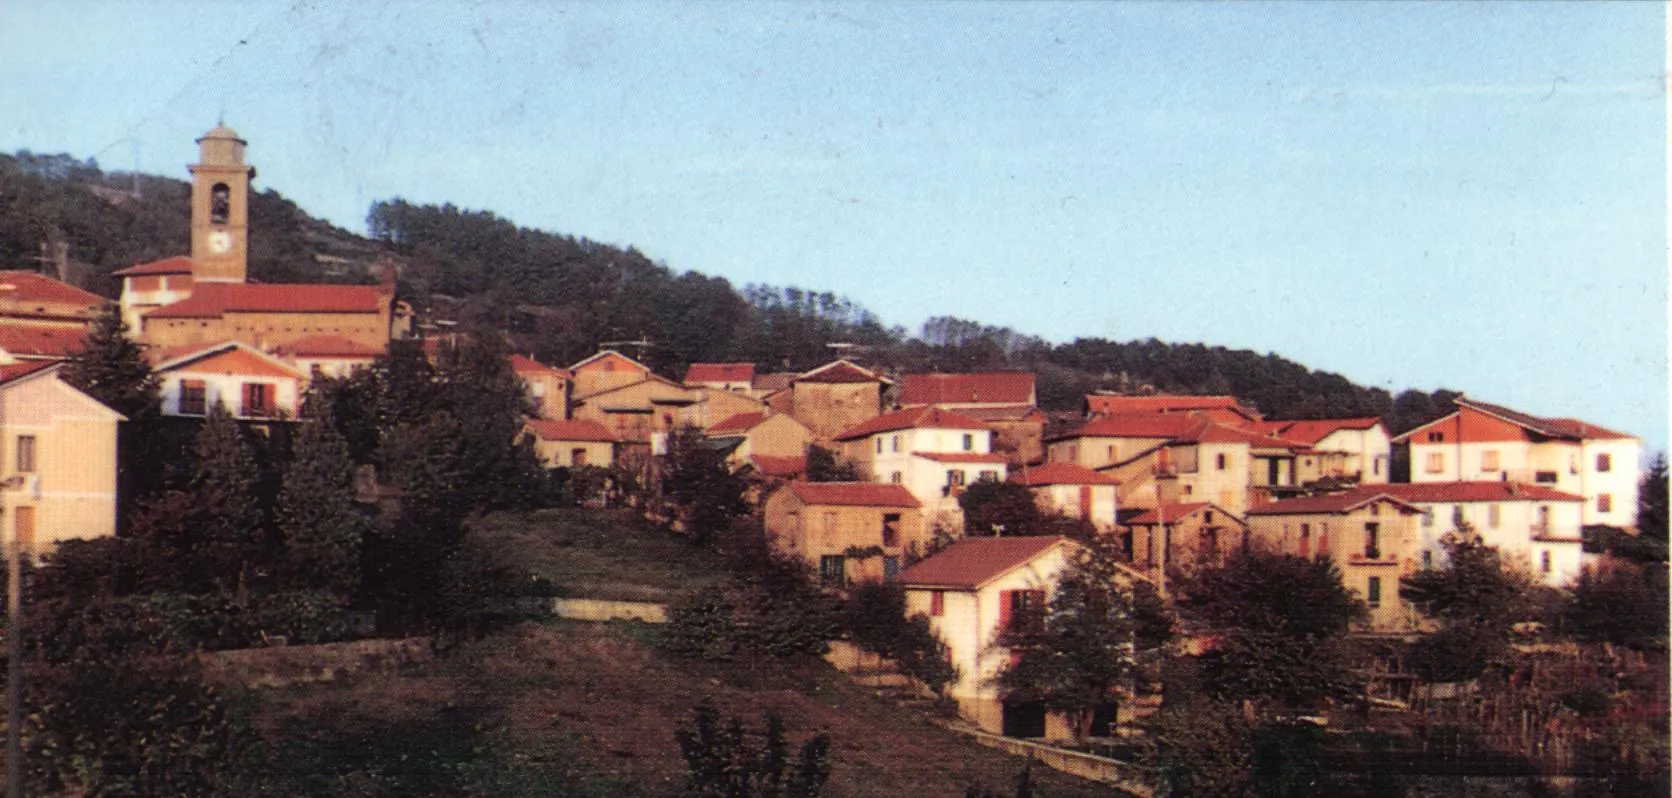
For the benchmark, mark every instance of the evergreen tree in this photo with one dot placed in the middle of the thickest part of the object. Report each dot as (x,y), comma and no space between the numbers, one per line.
(228,508)
(824,466)
(1652,502)
(317,517)
(112,369)
(705,493)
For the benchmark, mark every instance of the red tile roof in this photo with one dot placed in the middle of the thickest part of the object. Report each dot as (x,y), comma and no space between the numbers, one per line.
(1564,428)
(776,381)
(326,346)
(737,424)
(720,372)
(992,387)
(211,300)
(179,264)
(1311,431)
(522,364)
(230,357)
(1004,413)
(961,457)
(1332,503)
(853,494)
(1455,492)
(1176,511)
(548,429)
(1214,432)
(32,292)
(973,562)
(781,467)
(911,418)
(1104,404)
(17,371)
(1138,425)
(1060,474)
(839,371)
(31,341)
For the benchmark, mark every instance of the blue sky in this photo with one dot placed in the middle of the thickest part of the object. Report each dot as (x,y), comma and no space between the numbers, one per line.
(1413,195)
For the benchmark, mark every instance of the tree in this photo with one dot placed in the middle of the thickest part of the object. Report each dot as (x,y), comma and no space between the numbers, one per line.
(228,507)
(874,617)
(112,369)
(724,763)
(1083,644)
(1279,622)
(705,493)
(1652,501)
(824,466)
(1476,598)
(321,526)
(1619,602)
(1010,509)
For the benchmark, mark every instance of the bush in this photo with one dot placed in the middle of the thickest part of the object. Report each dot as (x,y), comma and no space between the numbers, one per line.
(874,618)
(724,763)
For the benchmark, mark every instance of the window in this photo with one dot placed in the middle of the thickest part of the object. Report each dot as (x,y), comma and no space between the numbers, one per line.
(879,446)
(1544,562)
(220,204)
(1605,463)
(23,526)
(937,603)
(989,476)
(890,568)
(1219,461)
(969,442)
(955,477)
(26,454)
(1427,558)
(1489,460)
(1207,516)
(1376,467)
(833,570)
(1545,477)
(193,397)
(1605,503)
(1436,462)
(1428,517)
(1304,547)
(577,456)
(894,443)
(1372,541)
(1373,592)
(1436,437)
(896,477)
(1493,513)
(1015,602)
(258,399)
(891,530)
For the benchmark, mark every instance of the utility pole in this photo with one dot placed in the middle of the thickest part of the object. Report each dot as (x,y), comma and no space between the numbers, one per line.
(14,652)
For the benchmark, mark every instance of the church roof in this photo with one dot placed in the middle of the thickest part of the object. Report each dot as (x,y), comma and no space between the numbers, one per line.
(179,264)
(211,300)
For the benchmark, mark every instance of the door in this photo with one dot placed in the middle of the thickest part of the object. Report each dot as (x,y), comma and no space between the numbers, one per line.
(1023,719)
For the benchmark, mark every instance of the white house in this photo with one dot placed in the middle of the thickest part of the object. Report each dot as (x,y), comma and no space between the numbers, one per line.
(57,458)
(1073,490)
(1481,442)
(1351,448)
(933,452)
(251,383)
(1530,525)
(969,591)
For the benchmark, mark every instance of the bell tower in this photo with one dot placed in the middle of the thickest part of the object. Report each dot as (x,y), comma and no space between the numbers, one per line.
(220,207)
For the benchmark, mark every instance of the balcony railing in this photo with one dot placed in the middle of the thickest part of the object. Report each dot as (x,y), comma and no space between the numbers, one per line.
(258,410)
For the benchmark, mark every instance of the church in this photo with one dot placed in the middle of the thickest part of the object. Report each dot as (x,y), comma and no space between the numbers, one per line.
(203,299)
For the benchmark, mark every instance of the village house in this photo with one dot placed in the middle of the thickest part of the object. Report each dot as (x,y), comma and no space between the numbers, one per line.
(933,453)
(57,458)
(605,371)
(1348,449)
(566,443)
(1480,442)
(850,531)
(733,377)
(547,388)
(969,591)
(1197,459)
(1005,401)
(831,398)
(1370,535)
(1223,409)
(1531,526)
(1071,490)
(751,435)
(252,384)
(42,318)
(712,405)
(327,355)
(640,413)
(1185,536)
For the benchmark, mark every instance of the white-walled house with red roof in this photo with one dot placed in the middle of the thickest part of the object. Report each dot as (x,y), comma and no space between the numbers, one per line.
(1072,490)
(329,355)
(252,384)
(1481,442)
(932,452)
(969,591)
(1356,449)
(1531,526)
(734,377)
(59,446)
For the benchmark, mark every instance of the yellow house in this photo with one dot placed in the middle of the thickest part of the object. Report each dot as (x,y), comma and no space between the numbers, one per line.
(1371,535)
(547,388)
(562,443)
(605,371)
(850,531)
(832,398)
(638,413)
(712,405)
(1194,534)
(57,458)
(757,435)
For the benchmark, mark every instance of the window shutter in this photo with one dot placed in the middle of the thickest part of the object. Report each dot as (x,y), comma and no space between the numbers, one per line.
(1005,598)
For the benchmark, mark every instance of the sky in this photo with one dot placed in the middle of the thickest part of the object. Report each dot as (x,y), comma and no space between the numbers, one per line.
(1470,196)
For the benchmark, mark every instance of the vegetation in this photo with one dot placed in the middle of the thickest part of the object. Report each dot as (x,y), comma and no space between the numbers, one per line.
(874,618)
(725,764)
(1476,598)
(1009,508)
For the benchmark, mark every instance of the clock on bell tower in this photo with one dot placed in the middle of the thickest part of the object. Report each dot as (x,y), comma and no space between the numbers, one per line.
(220,207)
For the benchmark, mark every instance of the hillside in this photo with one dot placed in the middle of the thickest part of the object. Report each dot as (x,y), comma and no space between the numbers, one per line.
(560,296)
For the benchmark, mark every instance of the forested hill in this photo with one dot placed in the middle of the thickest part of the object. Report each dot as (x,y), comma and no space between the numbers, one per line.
(561,296)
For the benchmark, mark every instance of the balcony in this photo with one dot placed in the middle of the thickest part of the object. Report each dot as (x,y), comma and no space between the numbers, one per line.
(1373,558)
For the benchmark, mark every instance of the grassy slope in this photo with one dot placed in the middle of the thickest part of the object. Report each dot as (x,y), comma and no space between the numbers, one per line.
(560,708)
(602,553)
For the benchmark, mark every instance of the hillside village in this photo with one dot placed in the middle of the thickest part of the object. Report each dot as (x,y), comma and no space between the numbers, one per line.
(868,475)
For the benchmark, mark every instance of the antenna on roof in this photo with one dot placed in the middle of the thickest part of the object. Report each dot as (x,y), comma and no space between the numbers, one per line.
(641,343)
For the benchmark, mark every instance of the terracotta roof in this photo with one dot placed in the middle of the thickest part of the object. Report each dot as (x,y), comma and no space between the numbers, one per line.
(31,289)
(1566,428)
(1332,503)
(17,371)
(1104,404)
(973,562)
(839,371)
(1004,413)
(782,467)
(548,429)
(853,494)
(720,372)
(911,418)
(179,264)
(1060,474)
(1138,425)
(211,300)
(962,457)
(993,387)
(326,346)
(26,340)
(1311,431)
(1214,432)
(737,424)
(522,364)
(230,357)
(1454,492)
(776,381)
(1176,511)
